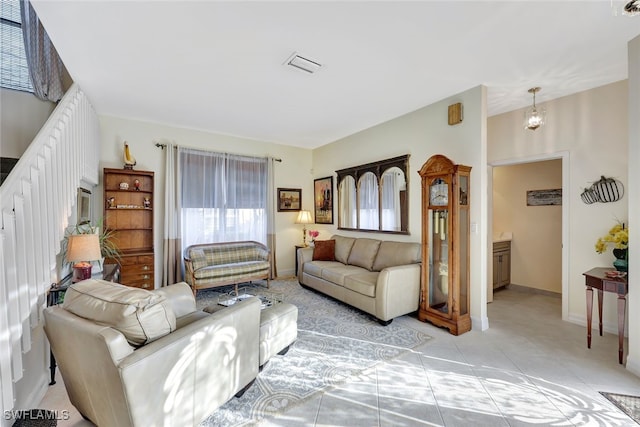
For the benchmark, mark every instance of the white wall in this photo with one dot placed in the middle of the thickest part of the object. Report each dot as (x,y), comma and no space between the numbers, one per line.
(421,134)
(22,116)
(537,230)
(293,172)
(592,127)
(633,304)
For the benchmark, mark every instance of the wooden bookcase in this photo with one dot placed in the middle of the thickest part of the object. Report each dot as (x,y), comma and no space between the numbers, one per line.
(128,212)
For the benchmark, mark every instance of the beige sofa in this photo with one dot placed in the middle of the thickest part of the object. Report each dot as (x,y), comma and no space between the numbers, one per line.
(381,278)
(226,263)
(131,357)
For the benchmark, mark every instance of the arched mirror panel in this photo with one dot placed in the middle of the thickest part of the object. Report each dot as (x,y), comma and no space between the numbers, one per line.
(374,196)
(347,204)
(393,193)
(368,202)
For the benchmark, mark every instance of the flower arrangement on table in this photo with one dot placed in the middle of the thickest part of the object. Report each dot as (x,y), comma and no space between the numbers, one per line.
(618,237)
(313,234)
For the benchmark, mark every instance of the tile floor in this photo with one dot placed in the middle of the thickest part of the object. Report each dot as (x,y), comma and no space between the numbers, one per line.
(529,368)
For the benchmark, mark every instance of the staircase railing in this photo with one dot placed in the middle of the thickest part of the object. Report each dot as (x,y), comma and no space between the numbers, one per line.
(36,201)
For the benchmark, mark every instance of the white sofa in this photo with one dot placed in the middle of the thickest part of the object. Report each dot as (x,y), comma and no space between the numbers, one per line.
(381,278)
(131,357)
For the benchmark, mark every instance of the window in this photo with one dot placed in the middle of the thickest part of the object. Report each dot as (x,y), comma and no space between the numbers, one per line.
(224,197)
(14,72)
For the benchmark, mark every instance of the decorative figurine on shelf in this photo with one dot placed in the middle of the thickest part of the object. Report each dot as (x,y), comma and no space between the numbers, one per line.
(111,202)
(136,184)
(147,202)
(124,185)
(129,160)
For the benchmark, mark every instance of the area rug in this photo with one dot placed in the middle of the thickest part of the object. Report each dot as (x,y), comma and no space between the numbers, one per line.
(335,343)
(630,405)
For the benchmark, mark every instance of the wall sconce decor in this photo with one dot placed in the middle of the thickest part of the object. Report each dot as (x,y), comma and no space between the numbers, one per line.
(534,117)
(605,190)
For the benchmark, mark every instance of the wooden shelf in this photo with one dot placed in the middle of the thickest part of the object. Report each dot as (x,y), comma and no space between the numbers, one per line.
(132,224)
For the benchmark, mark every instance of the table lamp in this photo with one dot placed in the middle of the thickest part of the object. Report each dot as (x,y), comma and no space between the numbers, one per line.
(304,217)
(82,249)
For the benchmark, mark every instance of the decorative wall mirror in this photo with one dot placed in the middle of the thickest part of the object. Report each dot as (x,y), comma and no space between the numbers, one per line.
(373,196)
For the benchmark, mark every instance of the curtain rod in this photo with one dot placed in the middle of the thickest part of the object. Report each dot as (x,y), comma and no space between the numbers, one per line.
(162,147)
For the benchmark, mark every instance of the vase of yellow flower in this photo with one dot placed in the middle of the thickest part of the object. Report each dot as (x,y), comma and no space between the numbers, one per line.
(618,237)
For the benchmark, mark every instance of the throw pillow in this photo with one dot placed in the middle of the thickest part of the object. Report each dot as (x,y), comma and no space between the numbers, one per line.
(140,315)
(324,250)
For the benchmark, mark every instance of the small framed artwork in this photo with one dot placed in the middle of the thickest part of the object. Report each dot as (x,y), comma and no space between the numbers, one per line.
(323,200)
(84,206)
(289,199)
(544,197)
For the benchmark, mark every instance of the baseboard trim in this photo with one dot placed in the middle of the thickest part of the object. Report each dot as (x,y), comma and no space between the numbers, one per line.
(481,323)
(633,365)
(608,327)
(529,290)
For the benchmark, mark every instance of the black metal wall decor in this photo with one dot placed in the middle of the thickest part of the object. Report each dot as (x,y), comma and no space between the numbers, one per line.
(604,191)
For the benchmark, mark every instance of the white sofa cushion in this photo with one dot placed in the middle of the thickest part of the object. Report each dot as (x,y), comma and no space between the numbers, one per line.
(364,253)
(391,254)
(362,283)
(140,315)
(337,274)
(343,248)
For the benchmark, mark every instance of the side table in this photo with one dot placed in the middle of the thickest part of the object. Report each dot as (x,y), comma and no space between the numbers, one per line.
(597,278)
(110,272)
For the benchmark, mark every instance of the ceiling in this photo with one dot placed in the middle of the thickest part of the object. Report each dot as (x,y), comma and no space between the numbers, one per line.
(218,66)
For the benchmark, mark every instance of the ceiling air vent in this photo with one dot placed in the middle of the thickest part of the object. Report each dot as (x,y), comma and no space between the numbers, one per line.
(303,63)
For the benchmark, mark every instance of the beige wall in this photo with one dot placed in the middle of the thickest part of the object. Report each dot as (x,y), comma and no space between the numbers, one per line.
(536,248)
(592,127)
(293,172)
(633,358)
(421,134)
(22,117)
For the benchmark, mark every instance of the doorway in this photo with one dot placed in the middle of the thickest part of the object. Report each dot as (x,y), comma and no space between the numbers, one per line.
(528,216)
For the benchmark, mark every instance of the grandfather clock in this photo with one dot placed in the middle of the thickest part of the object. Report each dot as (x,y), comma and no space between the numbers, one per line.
(444,295)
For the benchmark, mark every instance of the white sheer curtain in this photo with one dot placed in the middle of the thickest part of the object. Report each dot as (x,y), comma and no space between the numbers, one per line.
(172,244)
(271,215)
(368,202)
(391,201)
(224,197)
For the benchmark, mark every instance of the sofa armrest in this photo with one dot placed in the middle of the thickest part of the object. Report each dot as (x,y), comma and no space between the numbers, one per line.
(194,370)
(304,255)
(180,296)
(397,291)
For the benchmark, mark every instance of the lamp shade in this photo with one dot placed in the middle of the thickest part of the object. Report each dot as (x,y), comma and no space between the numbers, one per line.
(83,247)
(304,217)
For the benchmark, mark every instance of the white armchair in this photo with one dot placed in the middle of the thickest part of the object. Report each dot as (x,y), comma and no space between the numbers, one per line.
(178,378)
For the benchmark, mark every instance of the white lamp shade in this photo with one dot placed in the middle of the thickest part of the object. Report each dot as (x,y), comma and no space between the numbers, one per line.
(304,217)
(83,247)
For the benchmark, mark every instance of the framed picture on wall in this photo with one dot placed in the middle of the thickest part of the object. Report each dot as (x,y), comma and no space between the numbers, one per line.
(289,199)
(323,200)
(84,206)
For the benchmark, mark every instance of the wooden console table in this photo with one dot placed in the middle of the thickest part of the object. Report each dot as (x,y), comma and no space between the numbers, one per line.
(596,278)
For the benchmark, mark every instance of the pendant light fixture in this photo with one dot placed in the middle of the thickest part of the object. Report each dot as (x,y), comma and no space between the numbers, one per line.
(534,117)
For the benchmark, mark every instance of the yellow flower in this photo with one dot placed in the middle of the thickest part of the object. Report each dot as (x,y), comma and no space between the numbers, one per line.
(618,237)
